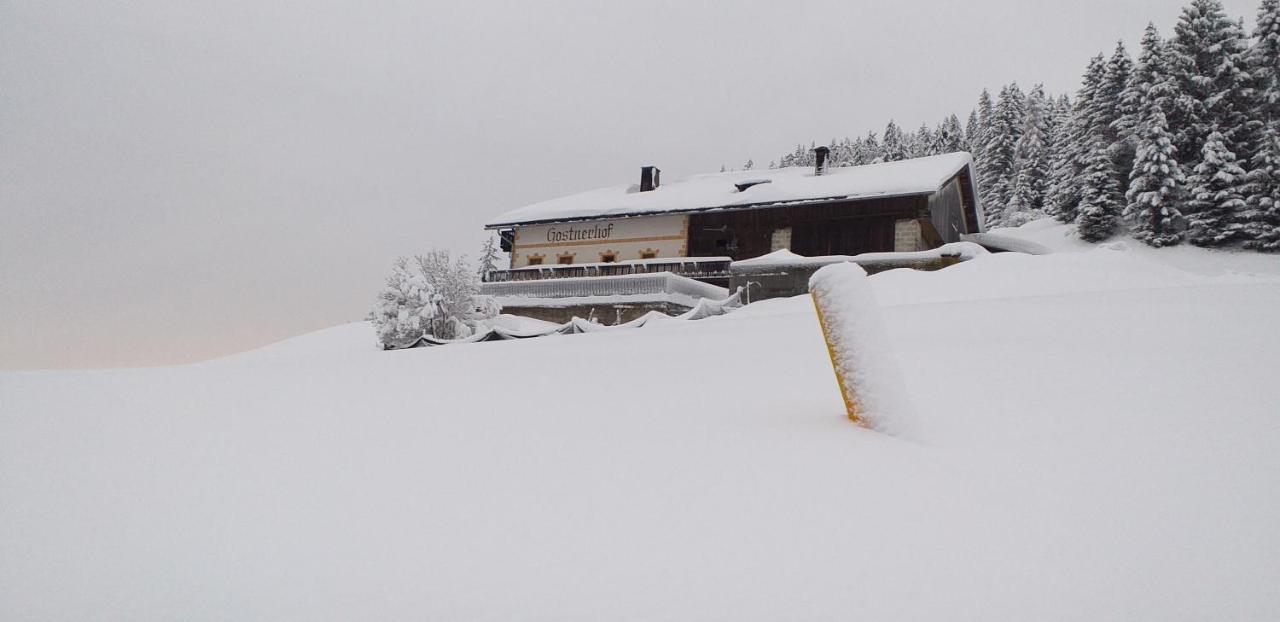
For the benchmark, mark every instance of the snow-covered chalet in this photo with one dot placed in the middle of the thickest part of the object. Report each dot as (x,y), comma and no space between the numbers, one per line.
(615,253)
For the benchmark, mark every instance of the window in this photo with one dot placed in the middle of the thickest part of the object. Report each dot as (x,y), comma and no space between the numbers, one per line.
(608,257)
(535,260)
(648,253)
(564,259)
(781,239)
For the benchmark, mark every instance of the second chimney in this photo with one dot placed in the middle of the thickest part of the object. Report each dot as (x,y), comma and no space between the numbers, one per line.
(650,178)
(820,160)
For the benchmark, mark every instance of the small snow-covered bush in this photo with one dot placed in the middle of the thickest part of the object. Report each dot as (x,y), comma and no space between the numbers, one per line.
(432,294)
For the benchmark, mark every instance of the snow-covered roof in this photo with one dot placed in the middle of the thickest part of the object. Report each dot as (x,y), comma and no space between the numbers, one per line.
(719,190)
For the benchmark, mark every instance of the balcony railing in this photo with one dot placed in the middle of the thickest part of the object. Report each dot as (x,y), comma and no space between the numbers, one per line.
(691,267)
(661,285)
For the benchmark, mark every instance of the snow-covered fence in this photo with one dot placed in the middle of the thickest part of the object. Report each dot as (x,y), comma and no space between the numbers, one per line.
(691,267)
(870,382)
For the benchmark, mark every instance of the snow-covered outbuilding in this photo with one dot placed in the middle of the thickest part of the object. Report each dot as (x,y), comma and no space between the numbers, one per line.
(698,225)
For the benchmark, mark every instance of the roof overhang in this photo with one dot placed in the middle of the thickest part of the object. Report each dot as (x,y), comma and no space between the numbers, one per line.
(719,208)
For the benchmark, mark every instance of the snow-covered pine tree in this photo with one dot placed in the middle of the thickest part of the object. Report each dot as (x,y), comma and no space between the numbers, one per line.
(1030,162)
(1155,184)
(1237,106)
(1000,153)
(895,144)
(1130,103)
(971,133)
(853,147)
(872,150)
(1263,187)
(841,152)
(748,165)
(1156,180)
(1057,117)
(489,255)
(1264,61)
(1263,180)
(908,144)
(979,135)
(1108,111)
(1019,105)
(949,137)
(923,145)
(1217,196)
(1074,151)
(1056,141)
(1207,61)
(938,133)
(795,158)
(1100,199)
(1261,215)
(1108,98)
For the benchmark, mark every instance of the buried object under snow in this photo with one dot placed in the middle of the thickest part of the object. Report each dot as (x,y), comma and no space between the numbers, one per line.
(704,308)
(867,374)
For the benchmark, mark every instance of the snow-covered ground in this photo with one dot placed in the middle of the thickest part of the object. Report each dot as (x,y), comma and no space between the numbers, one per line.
(1098,438)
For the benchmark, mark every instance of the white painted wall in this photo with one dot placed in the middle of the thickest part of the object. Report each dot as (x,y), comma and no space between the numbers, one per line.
(587,242)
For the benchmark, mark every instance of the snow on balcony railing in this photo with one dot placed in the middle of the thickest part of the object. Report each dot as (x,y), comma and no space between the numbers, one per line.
(617,285)
(693,267)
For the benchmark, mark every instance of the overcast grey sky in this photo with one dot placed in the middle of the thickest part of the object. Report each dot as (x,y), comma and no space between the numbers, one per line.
(180,180)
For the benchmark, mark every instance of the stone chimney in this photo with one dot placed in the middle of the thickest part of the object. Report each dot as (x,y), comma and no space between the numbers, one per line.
(650,178)
(820,160)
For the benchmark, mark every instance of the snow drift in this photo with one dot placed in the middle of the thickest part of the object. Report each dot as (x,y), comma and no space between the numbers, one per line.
(1096,441)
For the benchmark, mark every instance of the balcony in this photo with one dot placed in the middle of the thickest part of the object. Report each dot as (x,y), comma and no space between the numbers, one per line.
(710,269)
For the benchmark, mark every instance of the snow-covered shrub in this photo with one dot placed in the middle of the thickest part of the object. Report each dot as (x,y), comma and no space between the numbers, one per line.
(870,381)
(433,294)
(404,306)
(456,285)
(486,309)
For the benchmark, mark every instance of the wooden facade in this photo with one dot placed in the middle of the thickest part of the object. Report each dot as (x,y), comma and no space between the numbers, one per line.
(830,228)
(839,227)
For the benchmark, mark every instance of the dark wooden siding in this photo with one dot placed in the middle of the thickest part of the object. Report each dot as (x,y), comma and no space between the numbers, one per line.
(946,211)
(837,228)
(969,201)
(952,210)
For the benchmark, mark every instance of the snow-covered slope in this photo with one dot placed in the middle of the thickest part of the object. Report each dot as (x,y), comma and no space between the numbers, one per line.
(1097,440)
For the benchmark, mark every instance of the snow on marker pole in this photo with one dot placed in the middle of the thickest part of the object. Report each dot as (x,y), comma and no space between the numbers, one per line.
(861,354)
(850,405)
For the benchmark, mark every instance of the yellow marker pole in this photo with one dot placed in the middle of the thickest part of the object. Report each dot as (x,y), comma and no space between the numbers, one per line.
(850,404)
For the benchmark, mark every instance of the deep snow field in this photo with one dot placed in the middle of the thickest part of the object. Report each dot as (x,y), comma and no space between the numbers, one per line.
(1099,439)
